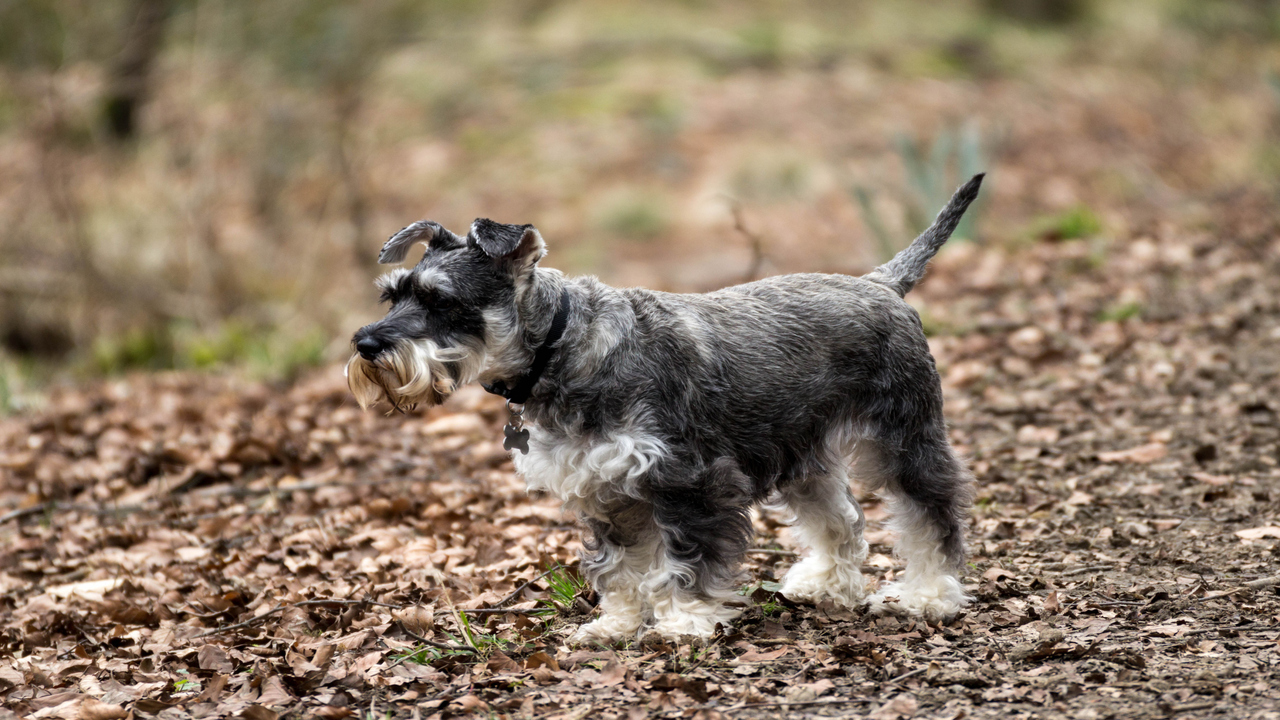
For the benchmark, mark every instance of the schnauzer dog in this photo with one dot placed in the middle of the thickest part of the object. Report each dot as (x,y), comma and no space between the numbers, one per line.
(661,419)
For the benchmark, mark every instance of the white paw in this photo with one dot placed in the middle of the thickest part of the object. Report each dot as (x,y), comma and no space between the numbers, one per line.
(938,599)
(815,579)
(606,629)
(690,618)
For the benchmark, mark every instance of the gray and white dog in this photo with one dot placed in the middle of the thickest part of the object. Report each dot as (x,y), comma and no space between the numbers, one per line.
(661,419)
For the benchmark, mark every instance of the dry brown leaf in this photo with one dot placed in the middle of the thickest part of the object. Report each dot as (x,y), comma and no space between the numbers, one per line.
(995,574)
(1258,533)
(541,659)
(212,657)
(1141,454)
(93,709)
(902,706)
(755,656)
(258,712)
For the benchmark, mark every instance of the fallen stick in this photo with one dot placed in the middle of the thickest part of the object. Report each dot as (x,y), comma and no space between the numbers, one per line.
(301,603)
(500,610)
(432,643)
(1251,585)
(1085,570)
(906,675)
(516,593)
(24,512)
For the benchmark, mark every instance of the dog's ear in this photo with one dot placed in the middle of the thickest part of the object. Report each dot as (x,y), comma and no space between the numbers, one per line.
(521,245)
(427,232)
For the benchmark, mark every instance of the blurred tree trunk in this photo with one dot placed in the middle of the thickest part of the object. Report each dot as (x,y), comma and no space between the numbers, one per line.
(349,102)
(131,75)
(1041,12)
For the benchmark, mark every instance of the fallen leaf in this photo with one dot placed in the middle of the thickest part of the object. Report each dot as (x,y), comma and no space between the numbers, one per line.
(258,712)
(541,659)
(753,656)
(212,657)
(995,574)
(93,709)
(903,706)
(1141,454)
(1258,533)
(92,590)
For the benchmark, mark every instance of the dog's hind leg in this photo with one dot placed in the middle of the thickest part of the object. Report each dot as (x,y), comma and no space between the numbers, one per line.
(620,554)
(829,522)
(929,492)
(705,528)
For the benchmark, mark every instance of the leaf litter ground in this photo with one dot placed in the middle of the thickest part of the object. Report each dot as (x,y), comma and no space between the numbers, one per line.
(187,546)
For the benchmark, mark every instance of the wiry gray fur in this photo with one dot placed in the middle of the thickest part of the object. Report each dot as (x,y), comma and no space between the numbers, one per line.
(763,391)
(907,267)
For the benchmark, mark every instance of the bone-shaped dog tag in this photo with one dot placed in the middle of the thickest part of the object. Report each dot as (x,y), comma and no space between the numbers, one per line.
(515,439)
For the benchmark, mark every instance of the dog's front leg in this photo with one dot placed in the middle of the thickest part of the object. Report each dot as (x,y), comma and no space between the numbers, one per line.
(619,557)
(705,528)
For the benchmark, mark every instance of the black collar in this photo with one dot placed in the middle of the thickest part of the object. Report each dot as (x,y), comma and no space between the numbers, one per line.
(524,386)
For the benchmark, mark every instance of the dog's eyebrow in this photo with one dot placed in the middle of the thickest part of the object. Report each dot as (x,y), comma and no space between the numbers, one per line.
(389,282)
(433,279)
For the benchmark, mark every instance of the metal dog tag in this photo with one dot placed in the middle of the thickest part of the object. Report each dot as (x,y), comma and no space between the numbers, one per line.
(516,439)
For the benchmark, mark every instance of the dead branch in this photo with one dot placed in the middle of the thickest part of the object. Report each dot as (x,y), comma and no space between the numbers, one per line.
(1086,570)
(1251,585)
(302,603)
(755,239)
(432,643)
(516,593)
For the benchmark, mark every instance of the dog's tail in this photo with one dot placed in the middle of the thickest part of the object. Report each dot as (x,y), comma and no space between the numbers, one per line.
(907,267)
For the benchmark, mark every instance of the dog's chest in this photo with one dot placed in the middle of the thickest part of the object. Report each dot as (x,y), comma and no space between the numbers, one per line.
(585,472)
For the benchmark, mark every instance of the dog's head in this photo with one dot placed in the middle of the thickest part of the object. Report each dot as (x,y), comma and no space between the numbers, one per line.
(454,318)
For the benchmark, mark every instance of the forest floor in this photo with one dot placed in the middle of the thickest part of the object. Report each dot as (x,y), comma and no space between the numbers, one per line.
(189,546)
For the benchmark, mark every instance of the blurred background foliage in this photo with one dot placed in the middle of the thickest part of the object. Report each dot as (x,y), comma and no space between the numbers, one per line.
(203,183)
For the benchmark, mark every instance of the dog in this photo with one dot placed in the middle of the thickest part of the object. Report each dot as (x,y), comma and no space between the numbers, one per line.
(662,419)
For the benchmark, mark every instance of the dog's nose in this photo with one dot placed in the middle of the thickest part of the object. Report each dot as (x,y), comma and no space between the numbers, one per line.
(368,347)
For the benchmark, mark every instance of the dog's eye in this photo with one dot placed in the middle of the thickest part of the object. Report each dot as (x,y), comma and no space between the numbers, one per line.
(433,299)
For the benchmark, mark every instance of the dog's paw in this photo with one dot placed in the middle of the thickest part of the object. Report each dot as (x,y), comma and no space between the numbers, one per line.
(606,630)
(686,628)
(815,579)
(938,600)
(682,620)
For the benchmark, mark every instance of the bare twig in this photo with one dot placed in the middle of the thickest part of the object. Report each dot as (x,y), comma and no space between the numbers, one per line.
(247,623)
(499,611)
(431,643)
(24,512)
(800,703)
(498,606)
(1189,707)
(772,551)
(516,593)
(756,240)
(1086,570)
(1233,628)
(302,603)
(911,674)
(1251,585)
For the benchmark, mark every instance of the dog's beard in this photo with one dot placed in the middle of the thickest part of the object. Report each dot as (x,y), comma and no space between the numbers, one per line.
(412,373)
